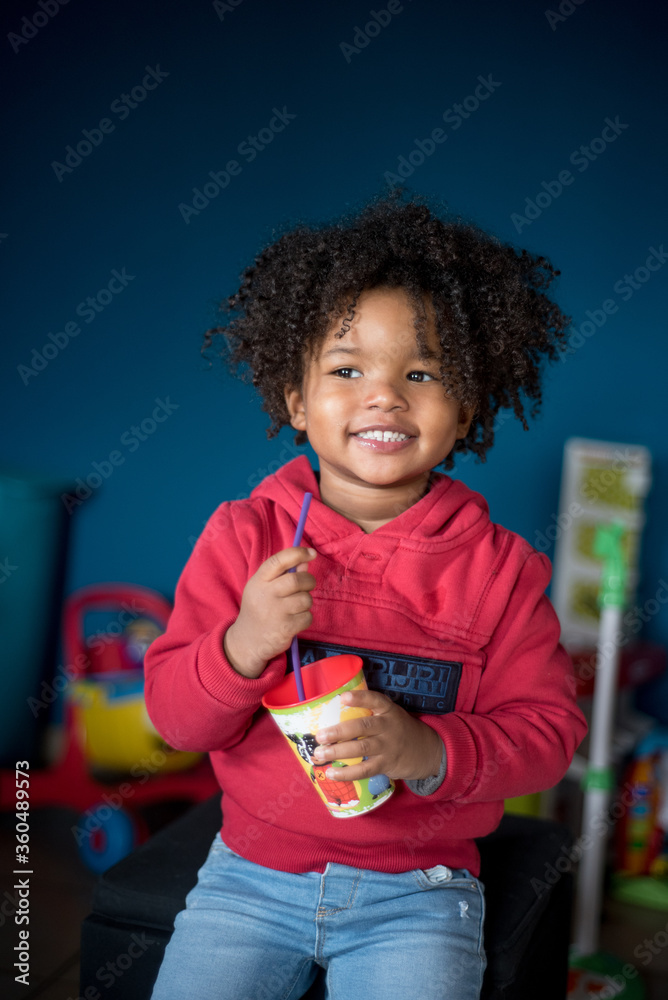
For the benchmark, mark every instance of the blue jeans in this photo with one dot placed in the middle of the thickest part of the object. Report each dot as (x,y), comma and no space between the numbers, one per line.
(254,933)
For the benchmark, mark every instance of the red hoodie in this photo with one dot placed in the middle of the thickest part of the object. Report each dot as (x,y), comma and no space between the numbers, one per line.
(449,614)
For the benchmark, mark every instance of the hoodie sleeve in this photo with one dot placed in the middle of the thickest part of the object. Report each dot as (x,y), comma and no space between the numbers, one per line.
(195,698)
(526,725)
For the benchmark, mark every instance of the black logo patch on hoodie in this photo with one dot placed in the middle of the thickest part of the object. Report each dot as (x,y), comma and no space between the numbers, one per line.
(417,683)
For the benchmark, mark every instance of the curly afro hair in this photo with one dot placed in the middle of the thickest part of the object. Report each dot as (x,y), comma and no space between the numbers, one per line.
(495,323)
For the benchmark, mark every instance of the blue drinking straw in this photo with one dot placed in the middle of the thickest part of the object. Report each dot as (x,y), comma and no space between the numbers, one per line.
(294,649)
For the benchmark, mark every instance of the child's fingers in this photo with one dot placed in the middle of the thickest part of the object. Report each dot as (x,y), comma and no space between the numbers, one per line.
(354,772)
(301,622)
(363,698)
(351,729)
(347,749)
(292,583)
(282,561)
(296,604)
(378,703)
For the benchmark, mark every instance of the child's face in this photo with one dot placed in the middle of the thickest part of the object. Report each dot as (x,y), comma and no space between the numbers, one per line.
(373,378)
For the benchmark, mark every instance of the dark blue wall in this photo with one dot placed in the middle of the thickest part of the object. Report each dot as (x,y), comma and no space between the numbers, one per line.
(555,83)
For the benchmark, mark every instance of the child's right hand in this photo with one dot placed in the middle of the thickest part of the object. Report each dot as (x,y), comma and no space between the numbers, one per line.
(275,606)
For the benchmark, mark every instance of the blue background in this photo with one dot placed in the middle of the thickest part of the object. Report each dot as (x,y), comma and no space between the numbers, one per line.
(355,116)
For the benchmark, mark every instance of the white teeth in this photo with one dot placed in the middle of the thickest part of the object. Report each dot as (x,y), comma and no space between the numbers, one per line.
(383,436)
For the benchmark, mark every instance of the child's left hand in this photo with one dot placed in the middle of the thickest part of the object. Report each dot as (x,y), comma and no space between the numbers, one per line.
(395,742)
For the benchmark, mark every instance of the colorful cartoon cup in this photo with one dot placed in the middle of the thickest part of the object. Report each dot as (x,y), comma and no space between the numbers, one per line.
(324,683)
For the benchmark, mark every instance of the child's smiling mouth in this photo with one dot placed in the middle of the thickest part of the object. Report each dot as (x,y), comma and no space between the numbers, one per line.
(383,437)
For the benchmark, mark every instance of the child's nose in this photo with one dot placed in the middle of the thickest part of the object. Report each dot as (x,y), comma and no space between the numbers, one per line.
(386,393)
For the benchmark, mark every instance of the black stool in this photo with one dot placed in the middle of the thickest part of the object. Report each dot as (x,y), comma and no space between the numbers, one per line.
(527,927)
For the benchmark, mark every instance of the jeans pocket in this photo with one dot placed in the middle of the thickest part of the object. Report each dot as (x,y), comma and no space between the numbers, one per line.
(438,875)
(441,875)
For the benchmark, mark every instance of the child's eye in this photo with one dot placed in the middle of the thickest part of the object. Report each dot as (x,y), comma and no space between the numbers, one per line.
(347,373)
(421,377)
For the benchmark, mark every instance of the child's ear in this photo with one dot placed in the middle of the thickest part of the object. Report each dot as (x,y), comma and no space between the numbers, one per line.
(294,400)
(466,415)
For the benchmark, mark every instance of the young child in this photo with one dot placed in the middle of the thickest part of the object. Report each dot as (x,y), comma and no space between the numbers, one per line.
(389,340)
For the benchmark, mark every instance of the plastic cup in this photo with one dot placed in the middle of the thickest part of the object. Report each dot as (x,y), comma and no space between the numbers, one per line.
(324,683)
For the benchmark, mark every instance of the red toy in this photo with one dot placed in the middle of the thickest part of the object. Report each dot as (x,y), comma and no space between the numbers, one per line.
(110,826)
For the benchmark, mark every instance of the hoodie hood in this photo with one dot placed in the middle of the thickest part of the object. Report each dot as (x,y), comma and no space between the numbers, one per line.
(448,514)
